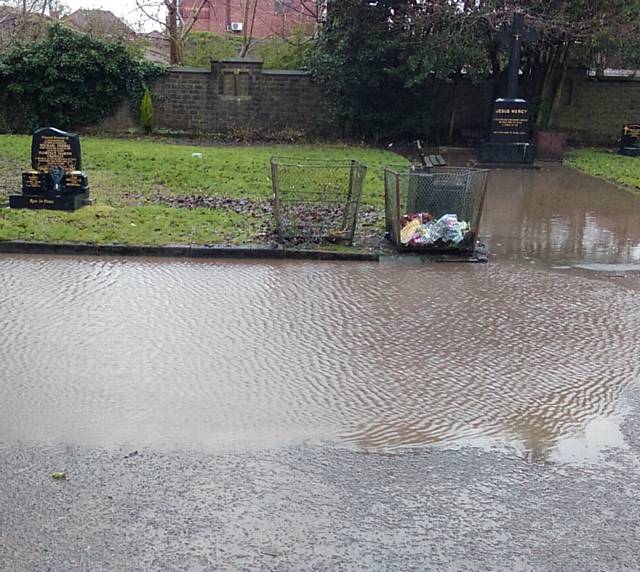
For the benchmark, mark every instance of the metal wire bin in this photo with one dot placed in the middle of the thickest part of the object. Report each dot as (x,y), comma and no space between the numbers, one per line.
(434,210)
(316,200)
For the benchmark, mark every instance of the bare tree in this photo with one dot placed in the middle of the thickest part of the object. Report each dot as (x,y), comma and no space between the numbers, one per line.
(313,9)
(177,23)
(297,18)
(26,18)
(42,7)
(248,23)
(170,17)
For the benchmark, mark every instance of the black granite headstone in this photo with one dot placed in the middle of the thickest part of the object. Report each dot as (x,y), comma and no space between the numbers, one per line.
(510,136)
(629,140)
(510,123)
(55,181)
(54,148)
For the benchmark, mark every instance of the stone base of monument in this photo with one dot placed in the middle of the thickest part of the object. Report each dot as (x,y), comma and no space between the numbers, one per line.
(49,201)
(508,153)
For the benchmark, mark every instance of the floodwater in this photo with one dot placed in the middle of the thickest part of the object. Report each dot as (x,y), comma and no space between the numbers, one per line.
(533,350)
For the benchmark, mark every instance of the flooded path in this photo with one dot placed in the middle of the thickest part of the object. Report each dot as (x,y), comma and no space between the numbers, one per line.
(558,215)
(532,350)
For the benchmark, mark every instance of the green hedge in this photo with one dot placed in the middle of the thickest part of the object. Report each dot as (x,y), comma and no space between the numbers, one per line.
(69,80)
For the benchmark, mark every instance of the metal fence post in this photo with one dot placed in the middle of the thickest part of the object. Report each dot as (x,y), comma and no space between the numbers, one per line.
(360,172)
(481,206)
(276,199)
(398,216)
(347,207)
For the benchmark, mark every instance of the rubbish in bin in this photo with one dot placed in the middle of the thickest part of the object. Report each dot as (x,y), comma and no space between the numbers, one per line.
(419,229)
(451,228)
(445,203)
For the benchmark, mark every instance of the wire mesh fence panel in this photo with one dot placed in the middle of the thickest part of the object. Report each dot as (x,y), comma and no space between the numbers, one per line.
(434,209)
(316,200)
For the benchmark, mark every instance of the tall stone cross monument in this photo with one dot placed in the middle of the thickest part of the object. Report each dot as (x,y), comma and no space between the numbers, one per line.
(510,136)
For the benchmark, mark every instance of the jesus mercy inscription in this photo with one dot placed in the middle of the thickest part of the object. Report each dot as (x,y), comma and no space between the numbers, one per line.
(510,122)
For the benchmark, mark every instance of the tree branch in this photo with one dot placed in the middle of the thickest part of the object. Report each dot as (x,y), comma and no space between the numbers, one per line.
(143,8)
(186,28)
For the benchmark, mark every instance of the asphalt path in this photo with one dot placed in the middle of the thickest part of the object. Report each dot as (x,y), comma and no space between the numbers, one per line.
(319,507)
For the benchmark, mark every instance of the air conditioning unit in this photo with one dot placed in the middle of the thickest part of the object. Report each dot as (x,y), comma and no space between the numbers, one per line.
(236,27)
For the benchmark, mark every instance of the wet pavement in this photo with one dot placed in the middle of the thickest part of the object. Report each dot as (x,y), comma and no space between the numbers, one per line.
(300,508)
(401,415)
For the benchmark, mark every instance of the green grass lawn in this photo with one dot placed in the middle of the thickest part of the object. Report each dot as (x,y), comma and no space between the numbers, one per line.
(624,171)
(129,178)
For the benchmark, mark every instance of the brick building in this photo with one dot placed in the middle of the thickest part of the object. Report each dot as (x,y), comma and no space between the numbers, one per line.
(272,17)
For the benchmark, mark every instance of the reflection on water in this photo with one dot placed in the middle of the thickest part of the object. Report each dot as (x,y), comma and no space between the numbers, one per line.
(560,214)
(161,353)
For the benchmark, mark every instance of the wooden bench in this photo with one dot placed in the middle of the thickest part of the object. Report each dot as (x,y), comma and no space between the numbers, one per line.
(431,161)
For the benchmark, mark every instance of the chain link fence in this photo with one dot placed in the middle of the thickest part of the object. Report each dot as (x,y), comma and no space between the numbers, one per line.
(434,210)
(316,200)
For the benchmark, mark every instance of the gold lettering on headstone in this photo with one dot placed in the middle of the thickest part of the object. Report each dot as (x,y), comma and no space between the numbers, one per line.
(32,181)
(509,126)
(73,181)
(632,130)
(55,152)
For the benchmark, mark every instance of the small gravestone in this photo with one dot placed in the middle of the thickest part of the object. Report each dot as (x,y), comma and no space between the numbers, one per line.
(56,180)
(629,140)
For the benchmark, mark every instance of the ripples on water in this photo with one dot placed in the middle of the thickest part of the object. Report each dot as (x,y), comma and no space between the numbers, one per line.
(379,356)
(211,355)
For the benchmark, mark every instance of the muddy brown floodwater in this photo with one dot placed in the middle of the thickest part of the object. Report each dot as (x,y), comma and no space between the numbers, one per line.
(532,350)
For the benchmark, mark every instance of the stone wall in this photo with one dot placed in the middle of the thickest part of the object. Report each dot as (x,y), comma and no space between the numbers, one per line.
(234,94)
(238,95)
(594,109)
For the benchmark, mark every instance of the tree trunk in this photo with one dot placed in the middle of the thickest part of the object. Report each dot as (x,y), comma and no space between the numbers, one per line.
(552,87)
(172,32)
(495,70)
(495,73)
(245,28)
(557,98)
(452,115)
(546,92)
(250,10)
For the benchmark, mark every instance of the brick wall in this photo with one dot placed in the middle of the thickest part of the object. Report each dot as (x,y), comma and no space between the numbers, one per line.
(232,94)
(277,17)
(239,94)
(594,110)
